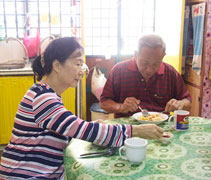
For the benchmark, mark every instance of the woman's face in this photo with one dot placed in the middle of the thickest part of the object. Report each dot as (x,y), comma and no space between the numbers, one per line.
(71,71)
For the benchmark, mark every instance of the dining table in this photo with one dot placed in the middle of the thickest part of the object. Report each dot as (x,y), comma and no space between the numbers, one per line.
(186,157)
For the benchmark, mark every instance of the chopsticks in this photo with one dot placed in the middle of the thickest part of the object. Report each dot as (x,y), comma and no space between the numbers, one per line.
(93,153)
(108,152)
(96,154)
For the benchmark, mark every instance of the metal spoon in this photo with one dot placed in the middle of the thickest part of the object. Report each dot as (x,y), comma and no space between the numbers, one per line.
(145,113)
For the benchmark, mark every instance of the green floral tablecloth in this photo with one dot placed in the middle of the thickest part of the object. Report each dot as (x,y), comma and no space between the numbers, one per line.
(187,157)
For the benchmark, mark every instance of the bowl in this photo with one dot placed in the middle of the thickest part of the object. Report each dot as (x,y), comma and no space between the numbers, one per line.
(167,137)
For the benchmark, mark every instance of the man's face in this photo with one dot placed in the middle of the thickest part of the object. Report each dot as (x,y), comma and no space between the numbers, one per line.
(149,60)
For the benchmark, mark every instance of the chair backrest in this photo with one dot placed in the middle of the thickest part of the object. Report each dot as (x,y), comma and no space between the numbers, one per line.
(13,54)
(12,49)
(44,43)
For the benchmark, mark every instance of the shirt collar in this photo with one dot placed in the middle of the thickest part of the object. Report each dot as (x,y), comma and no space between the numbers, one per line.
(133,67)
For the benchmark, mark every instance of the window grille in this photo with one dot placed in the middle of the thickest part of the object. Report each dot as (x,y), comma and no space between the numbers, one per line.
(137,17)
(50,17)
(113,27)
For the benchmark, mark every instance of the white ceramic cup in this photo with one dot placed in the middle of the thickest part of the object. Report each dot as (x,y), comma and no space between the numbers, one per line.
(135,149)
(180,119)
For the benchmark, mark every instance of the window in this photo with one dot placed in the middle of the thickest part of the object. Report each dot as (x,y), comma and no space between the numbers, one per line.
(136,18)
(113,26)
(50,17)
(100,26)
(11,18)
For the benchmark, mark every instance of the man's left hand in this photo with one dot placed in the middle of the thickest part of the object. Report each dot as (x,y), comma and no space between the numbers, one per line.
(174,104)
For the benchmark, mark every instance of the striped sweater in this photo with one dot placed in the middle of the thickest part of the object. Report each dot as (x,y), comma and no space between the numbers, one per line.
(43,127)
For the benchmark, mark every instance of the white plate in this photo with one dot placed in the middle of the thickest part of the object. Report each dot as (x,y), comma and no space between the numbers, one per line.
(136,116)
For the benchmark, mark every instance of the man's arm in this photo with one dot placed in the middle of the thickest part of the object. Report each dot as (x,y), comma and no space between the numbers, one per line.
(110,106)
(130,104)
(182,98)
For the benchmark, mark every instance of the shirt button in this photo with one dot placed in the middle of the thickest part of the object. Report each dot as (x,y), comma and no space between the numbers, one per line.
(145,89)
(142,80)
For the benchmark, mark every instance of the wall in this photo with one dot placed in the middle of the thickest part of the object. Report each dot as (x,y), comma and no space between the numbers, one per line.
(169,24)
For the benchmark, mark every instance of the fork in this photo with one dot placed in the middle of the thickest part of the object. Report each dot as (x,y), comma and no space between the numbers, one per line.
(144,111)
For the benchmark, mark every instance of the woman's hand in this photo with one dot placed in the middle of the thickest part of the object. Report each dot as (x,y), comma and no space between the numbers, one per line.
(147,131)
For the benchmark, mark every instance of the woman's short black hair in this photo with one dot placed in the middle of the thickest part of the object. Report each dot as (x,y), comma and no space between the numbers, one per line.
(59,49)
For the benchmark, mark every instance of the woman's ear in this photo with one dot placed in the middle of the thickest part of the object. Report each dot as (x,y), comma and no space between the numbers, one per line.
(56,66)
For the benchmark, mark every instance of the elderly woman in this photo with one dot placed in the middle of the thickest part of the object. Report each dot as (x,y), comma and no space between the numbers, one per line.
(43,127)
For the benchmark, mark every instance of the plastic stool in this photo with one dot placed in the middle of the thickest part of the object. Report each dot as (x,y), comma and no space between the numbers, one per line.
(98,113)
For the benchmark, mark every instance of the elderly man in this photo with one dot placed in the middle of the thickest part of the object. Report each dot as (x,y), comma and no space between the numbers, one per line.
(146,81)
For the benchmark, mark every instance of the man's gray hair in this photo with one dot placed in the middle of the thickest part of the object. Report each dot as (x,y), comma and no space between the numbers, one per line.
(151,40)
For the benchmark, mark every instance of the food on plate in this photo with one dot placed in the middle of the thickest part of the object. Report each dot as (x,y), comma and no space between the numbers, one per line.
(152,117)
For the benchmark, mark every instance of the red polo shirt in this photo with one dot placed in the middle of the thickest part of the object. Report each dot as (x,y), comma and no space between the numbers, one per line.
(126,81)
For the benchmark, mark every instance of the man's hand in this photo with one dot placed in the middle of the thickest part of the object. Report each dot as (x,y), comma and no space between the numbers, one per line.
(130,104)
(174,104)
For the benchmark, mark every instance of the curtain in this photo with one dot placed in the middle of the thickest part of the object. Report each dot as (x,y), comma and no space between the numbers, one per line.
(186,37)
(198,14)
(206,100)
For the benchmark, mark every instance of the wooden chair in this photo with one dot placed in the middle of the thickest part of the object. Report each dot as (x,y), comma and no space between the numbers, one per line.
(44,43)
